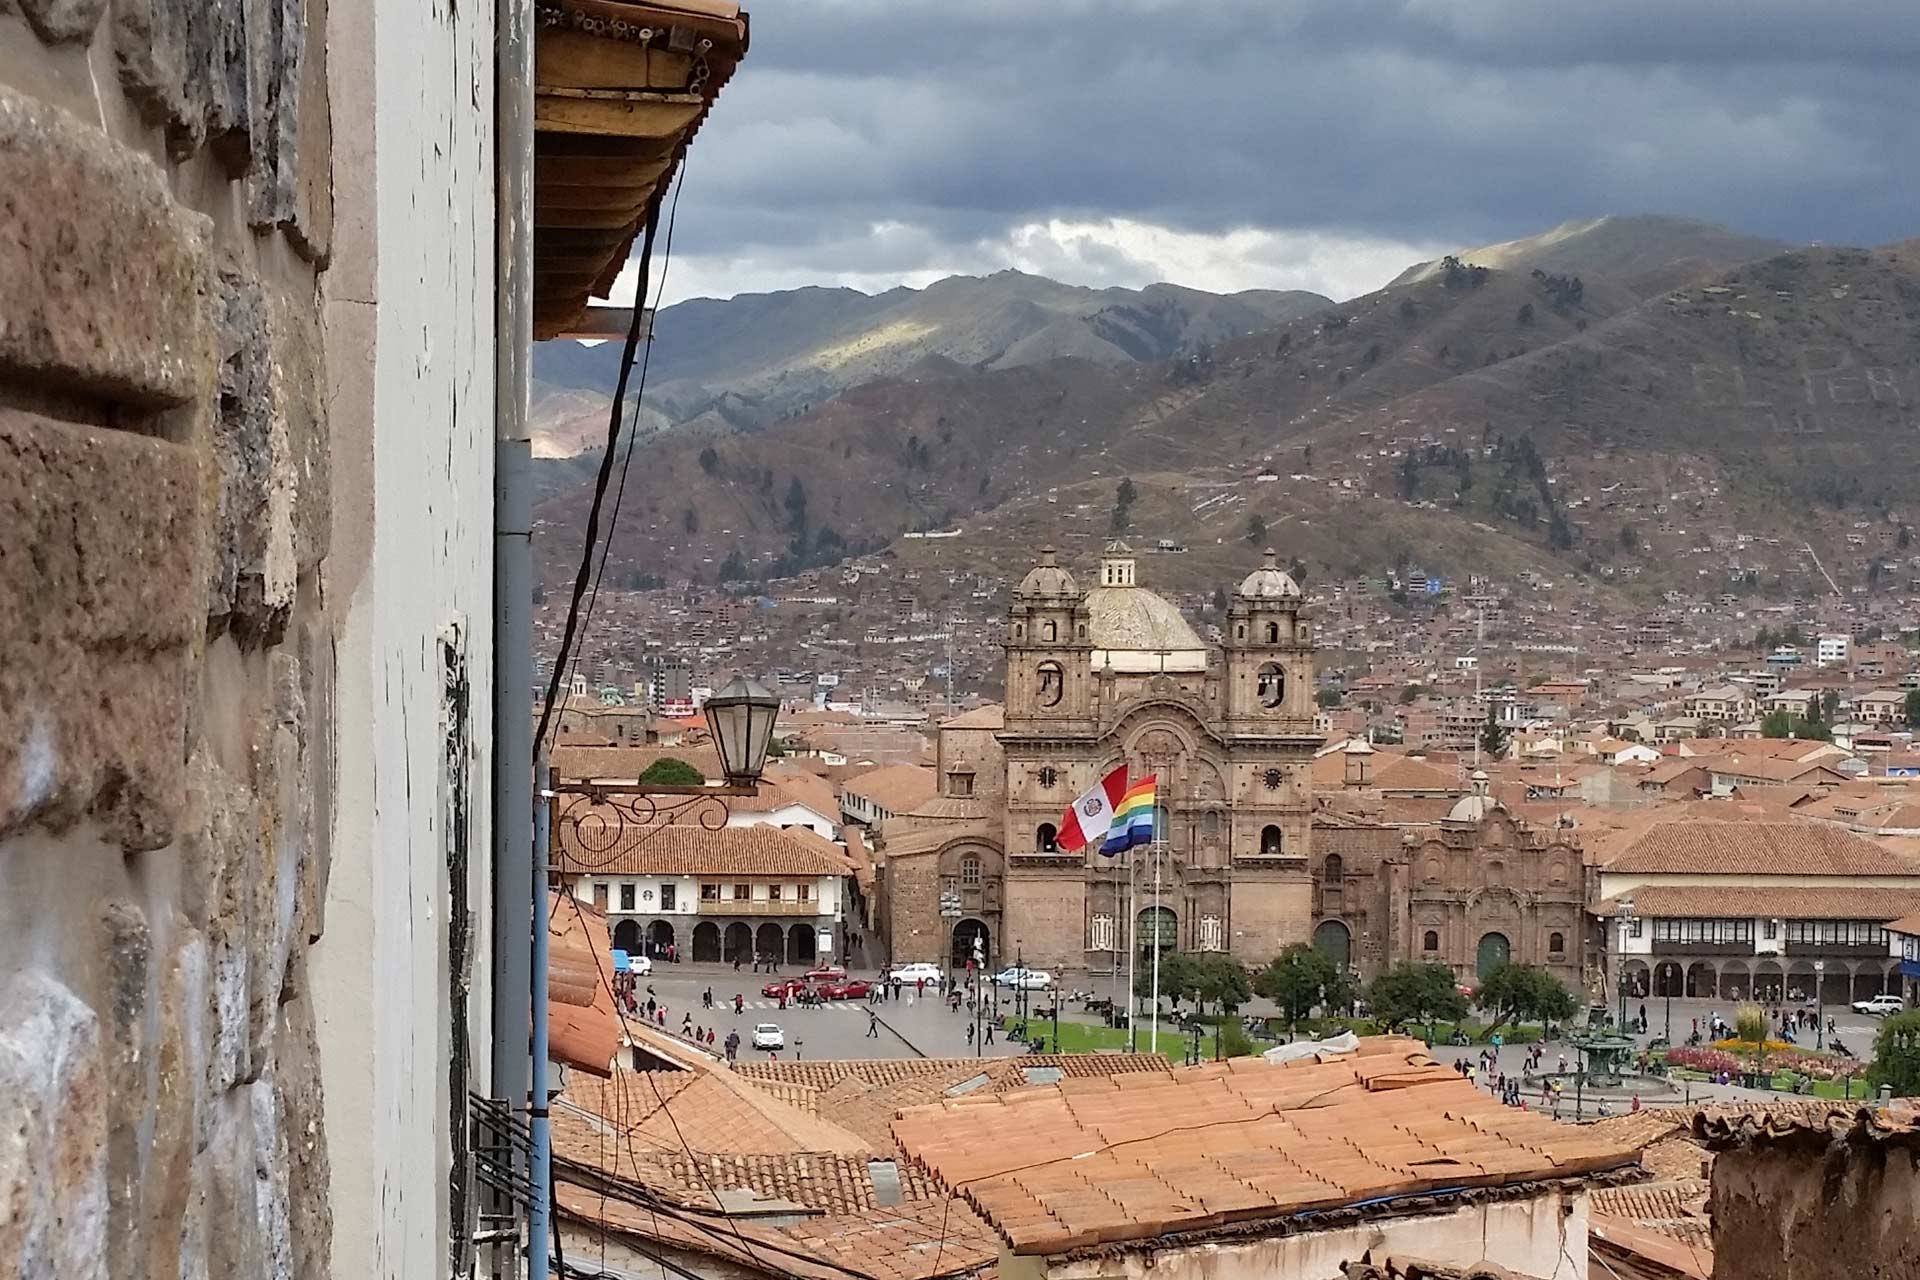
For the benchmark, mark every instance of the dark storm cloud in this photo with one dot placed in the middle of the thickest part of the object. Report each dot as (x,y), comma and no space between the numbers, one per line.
(1417,121)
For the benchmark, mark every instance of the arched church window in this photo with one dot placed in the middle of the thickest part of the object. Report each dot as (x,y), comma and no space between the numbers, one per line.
(1046,839)
(1047,631)
(1210,824)
(1273,633)
(1270,842)
(1556,943)
(969,870)
(1270,682)
(1431,942)
(1019,631)
(1333,871)
(1240,632)
(1053,683)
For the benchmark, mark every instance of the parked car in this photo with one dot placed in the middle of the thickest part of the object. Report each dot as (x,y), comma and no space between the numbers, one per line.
(1881,1006)
(768,1035)
(638,965)
(844,989)
(918,971)
(788,987)
(825,973)
(1029,979)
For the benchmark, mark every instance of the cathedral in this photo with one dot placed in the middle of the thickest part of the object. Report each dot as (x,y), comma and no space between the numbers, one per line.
(1097,676)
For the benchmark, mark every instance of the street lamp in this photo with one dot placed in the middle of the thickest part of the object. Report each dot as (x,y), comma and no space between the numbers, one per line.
(1626,923)
(1669,988)
(1819,1005)
(740,717)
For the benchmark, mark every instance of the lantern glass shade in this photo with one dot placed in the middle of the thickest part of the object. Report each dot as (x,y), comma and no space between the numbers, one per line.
(741,717)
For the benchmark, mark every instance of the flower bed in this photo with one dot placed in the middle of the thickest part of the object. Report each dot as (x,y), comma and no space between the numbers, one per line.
(1716,1060)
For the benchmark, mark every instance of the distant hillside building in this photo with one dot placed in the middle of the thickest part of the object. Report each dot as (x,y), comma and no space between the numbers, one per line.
(1095,678)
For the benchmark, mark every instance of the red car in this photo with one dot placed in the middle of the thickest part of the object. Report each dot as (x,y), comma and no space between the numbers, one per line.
(845,989)
(788,987)
(826,973)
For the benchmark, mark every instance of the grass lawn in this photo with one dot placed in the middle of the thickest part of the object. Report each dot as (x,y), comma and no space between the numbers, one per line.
(1784,1081)
(1080,1037)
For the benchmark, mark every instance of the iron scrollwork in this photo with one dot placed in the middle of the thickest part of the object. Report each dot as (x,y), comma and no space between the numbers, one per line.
(593,825)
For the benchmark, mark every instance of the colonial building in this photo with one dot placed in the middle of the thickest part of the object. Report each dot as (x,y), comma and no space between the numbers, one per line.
(1094,679)
(1478,888)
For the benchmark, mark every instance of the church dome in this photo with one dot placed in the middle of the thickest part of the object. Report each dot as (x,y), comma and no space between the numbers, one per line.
(1269,582)
(1047,578)
(1477,805)
(1134,630)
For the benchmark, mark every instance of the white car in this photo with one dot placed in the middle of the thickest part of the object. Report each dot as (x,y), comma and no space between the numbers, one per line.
(639,966)
(1880,1006)
(1029,979)
(768,1035)
(919,971)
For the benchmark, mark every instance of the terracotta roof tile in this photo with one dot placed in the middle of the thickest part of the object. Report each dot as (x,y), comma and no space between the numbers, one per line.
(1143,1154)
(592,841)
(1753,901)
(897,788)
(1754,848)
(626,764)
(583,1024)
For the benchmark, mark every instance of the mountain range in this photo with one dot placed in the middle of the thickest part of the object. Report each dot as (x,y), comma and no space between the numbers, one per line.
(1606,390)
(758,359)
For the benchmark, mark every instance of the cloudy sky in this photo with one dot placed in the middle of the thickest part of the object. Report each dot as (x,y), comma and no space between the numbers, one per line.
(1319,144)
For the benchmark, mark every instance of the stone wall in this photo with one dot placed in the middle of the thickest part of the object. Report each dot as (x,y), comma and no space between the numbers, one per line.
(166,638)
(1804,1206)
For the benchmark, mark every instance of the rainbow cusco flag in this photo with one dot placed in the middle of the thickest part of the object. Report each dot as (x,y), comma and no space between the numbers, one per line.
(1132,819)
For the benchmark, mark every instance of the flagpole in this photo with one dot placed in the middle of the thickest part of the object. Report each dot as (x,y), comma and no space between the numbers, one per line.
(1153,1044)
(1133,949)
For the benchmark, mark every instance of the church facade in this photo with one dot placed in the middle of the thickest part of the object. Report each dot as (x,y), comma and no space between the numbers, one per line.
(1094,678)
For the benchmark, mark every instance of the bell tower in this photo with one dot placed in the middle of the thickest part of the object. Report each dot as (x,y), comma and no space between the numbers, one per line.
(1269,655)
(1049,652)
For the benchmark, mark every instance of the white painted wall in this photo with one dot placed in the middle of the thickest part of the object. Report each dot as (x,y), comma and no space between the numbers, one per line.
(409,312)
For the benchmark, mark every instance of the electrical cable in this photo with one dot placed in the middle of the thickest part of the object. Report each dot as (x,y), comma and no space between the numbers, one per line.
(567,656)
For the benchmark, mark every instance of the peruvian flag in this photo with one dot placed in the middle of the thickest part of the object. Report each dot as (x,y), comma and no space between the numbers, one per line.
(1092,814)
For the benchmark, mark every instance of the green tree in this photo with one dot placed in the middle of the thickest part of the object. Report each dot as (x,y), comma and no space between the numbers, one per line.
(733,568)
(1913,708)
(1329,697)
(1416,993)
(1776,724)
(1297,979)
(1217,979)
(1123,504)
(1830,706)
(1256,528)
(1494,735)
(1409,693)
(1177,978)
(1235,1042)
(1896,1055)
(1750,1025)
(671,771)
(1524,993)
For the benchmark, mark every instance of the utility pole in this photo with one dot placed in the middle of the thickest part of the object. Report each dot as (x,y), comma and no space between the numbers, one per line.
(1153,1042)
(1479,707)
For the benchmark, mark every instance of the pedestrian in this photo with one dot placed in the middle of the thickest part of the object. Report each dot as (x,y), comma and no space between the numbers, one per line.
(739,1004)
(706,998)
(1563,1064)
(969,1033)
(660,1018)
(873,1025)
(652,1004)
(989,1026)
(1636,1104)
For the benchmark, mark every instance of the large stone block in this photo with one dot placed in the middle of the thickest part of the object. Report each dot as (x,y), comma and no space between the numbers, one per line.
(126,946)
(253,567)
(63,20)
(297,1077)
(104,276)
(173,1210)
(53,1134)
(101,531)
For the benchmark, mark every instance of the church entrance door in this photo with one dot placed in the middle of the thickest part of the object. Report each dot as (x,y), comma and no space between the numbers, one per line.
(1494,951)
(1334,941)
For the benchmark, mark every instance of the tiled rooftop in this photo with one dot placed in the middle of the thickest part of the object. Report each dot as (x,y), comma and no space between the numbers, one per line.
(1139,1155)
(1752,901)
(609,848)
(1754,848)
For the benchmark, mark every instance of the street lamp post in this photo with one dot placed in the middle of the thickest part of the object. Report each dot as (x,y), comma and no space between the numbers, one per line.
(1626,925)
(1819,1005)
(1669,987)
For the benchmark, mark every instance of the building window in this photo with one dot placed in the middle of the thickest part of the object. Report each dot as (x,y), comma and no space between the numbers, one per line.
(1270,842)
(959,784)
(1100,934)
(1772,931)
(1048,631)
(969,870)
(667,897)
(742,892)
(709,893)
(801,892)
(1431,942)
(1556,943)
(1052,684)
(1270,684)
(626,896)
(1046,839)
(1273,633)
(1635,927)
(773,893)
(1212,935)
(1333,871)
(1210,824)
